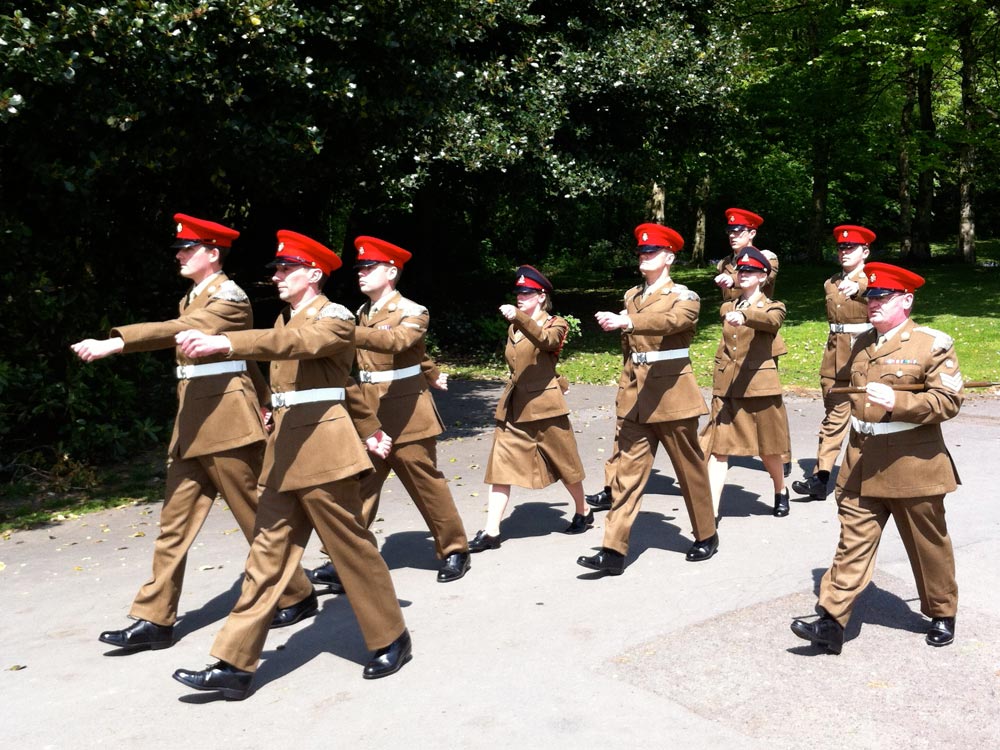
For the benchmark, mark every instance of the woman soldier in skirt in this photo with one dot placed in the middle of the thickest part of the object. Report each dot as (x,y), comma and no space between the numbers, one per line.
(533,444)
(748,414)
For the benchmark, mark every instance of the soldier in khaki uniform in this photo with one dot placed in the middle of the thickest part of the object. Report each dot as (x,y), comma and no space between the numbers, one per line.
(896,463)
(218,440)
(394,372)
(658,401)
(847,313)
(533,443)
(311,477)
(748,413)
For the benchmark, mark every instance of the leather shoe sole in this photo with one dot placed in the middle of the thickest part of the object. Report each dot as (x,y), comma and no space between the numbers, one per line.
(390,659)
(308,607)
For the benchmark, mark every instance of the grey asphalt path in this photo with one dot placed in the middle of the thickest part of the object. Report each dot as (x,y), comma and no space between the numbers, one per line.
(528,650)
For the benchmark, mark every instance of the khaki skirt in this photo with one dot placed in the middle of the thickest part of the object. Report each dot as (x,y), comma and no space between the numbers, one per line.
(534,454)
(756,426)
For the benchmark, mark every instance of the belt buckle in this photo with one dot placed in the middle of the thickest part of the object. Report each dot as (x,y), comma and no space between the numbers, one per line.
(838,327)
(364,376)
(278,401)
(641,358)
(182,372)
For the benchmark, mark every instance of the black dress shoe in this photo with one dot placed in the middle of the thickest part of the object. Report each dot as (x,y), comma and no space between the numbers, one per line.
(825,632)
(291,615)
(941,631)
(455,566)
(606,561)
(580,523)
(781,503)
(390,659)
(326,575)
(786,468)
(139,636)
(703,550)
(232,682)
(812,487)
(600,501)
(483,541)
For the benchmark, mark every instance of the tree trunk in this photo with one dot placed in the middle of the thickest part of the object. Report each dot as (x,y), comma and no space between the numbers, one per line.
(921,250)
(967,152)
(700,219)
(820,195)
(656,204)
(905,144)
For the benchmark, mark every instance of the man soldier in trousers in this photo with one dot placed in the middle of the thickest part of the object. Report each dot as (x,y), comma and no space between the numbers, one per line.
(896,463)
(741,228)
(393,370)
(311,477)
(218,441)
(847,313)
(658,401)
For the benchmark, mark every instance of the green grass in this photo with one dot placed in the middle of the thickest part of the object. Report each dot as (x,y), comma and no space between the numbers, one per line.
(46,498)
(961,300)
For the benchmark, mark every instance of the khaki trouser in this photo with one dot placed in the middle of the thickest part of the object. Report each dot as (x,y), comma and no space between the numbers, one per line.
(416,466)
(922,527)
(637,448)
(285,521)
(835,425)
(192,484)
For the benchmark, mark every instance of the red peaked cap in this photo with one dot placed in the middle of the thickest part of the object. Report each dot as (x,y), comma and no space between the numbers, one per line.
(657,235)
(530,279)
(372,250)
(851,234)
(885,279)
(752,259)
(742,217)
(296,249)
(192,231)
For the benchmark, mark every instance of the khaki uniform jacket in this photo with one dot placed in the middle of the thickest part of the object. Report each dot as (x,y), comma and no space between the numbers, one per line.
(316,443)
(745,365)
(216,412)
(732,294)
(392,339)
(914,463)
(667,390)
(842,309)
(532,351)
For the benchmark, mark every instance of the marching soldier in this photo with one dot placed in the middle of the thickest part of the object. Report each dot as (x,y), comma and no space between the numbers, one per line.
(847,313)
(658,401)
(218,441)
(741,227)
(896,463)
(748,413)
(311,477)
(394,372)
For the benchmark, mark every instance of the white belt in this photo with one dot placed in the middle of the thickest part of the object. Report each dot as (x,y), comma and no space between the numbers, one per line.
(308,396)
(850,327)
(880,428)
(185,372)
(385,376)
(645,358)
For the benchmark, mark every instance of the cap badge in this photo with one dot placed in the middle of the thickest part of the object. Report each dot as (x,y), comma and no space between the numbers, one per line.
(732,219)
(361,250)
(871,277)
(645,236)
(281,246)
(180,227)
(520,280)
(844,233)
(746,257)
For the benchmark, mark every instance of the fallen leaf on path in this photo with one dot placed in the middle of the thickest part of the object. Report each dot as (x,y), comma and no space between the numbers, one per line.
(139,533)
(17,667)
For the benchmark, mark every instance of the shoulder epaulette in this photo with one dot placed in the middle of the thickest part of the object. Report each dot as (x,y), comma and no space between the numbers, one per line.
(411,309)
(942,341)
(333,310)
(230,291)
(683,293)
